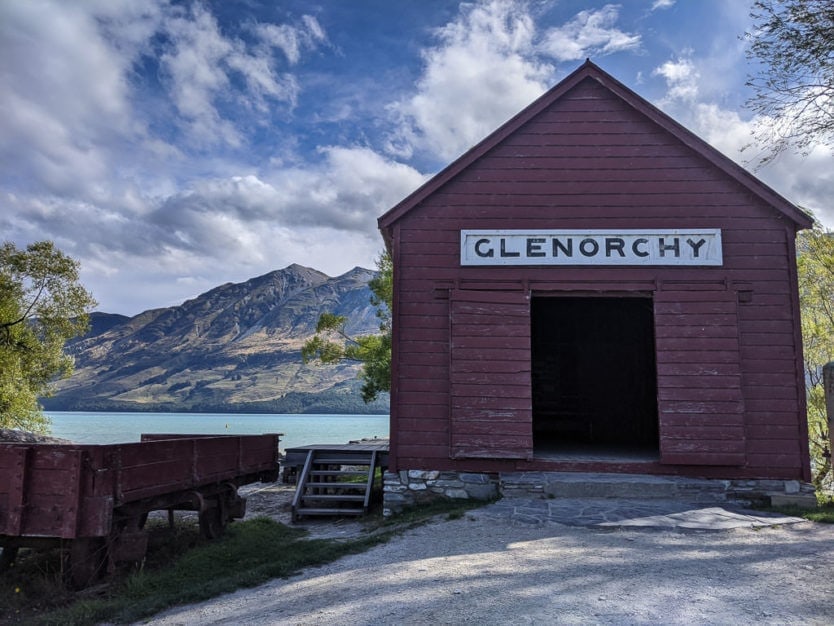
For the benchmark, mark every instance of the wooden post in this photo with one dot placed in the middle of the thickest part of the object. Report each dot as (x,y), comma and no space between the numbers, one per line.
(828,387)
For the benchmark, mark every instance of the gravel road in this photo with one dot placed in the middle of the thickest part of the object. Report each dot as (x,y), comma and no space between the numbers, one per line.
(478,570)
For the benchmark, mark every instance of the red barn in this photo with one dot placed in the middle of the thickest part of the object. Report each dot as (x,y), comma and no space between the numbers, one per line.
(594,288)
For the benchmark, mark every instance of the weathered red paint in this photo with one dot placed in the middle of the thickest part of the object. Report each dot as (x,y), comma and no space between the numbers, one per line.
(84,492)
(591,154)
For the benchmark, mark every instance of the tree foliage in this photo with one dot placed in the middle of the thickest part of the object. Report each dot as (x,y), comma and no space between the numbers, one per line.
(815,262)
(793,40)
(42,305)
(332,344)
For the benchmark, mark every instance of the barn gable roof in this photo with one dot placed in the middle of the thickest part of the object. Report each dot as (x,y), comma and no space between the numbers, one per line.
(594,72)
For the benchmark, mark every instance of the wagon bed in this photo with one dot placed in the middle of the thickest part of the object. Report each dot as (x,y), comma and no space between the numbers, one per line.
(92,497)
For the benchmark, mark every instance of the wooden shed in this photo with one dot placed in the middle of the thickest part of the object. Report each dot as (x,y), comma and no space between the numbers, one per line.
(595,288)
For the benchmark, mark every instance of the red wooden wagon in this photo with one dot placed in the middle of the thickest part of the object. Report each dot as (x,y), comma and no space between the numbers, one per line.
(94,499)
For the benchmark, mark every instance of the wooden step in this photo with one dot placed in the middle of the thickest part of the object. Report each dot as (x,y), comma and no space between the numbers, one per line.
(343,460)
(336,485)
(318,511)
(334,497)
(317,466)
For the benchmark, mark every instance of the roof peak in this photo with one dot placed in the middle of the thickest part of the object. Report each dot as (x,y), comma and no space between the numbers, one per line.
(589,69)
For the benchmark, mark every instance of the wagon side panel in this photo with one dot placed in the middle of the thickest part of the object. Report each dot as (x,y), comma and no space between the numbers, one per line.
(260,455)
(12,486)
(96,491)
(44,498)
(152,468)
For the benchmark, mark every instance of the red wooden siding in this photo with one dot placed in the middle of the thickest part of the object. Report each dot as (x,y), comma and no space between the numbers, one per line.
(490,364)
(700,403)
(593,155)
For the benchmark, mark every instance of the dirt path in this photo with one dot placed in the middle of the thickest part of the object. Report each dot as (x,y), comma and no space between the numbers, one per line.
(487,571)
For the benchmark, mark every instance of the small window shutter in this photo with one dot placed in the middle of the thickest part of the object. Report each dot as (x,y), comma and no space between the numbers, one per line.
(491,405)
(700,402)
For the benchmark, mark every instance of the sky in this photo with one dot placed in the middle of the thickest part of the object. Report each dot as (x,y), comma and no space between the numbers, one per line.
(171,147)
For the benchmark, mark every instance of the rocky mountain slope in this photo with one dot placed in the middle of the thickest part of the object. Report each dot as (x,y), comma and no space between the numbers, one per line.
(235,348)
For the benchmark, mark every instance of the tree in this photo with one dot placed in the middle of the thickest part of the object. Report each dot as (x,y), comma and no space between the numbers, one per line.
(815,262)
(794,90)
(331,344)
(42,305)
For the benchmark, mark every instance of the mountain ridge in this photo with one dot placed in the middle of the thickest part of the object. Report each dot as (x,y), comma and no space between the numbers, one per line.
(234,348)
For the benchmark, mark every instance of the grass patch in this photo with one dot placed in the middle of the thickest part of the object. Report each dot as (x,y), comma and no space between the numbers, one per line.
(181,567)
(250,553)
(823,513)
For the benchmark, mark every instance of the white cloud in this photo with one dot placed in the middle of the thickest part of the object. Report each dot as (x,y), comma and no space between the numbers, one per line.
(807,181)
(662,4)
(481,73)
(589,33)
(89,160)
(682,79)
(221,229)
(200,64)
(292,40)
(70,92)
(64,99)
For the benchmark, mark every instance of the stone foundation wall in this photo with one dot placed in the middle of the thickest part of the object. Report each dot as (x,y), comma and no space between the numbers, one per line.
(640,486)
(410,487)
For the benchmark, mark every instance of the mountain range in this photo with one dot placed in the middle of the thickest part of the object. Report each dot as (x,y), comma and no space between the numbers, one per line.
(235,348)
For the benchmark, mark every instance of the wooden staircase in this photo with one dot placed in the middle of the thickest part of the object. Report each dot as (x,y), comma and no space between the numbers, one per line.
(335,482)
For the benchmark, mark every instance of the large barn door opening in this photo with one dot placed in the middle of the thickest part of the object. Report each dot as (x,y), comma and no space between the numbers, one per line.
(593,375)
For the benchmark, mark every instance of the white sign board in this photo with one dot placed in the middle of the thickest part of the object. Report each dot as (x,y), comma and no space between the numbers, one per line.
(591,247)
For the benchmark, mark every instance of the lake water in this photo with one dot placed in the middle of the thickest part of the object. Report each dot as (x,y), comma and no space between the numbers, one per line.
(299,430)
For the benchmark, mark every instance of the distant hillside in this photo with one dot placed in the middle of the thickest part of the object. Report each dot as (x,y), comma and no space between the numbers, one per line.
(235,348)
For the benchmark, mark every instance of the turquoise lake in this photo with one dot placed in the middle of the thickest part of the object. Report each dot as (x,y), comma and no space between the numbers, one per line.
(298,430)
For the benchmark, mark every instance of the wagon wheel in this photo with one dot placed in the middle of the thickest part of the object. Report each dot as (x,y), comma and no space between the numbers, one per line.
(7,557)
(86,560)
(212,519)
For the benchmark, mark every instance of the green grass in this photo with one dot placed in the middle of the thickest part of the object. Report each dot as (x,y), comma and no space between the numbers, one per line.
(823,513)
(250,553)
(181,568)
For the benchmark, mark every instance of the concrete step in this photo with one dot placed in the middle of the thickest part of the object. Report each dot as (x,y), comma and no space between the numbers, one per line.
(623,486)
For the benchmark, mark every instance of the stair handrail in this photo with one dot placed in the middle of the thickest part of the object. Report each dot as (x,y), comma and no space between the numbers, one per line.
(302,482)
(369,487)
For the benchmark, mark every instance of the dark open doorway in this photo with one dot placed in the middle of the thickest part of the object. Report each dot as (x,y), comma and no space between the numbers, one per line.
(593,374)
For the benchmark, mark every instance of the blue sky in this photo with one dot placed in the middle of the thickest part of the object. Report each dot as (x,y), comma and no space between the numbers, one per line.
(174,146)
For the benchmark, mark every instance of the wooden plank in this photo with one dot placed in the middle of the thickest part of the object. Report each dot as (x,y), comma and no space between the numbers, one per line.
(491,391)
(694,408)
(506,403)
(14,462)
(535,171)
(485,341)
(775,461)
(484,395)
(595,187)
(495,426)
(424,437)
(708,433)
(671,398)
(406,423)
(704,457)
(774,446)
(696,382)
(423,385)
(436,398)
